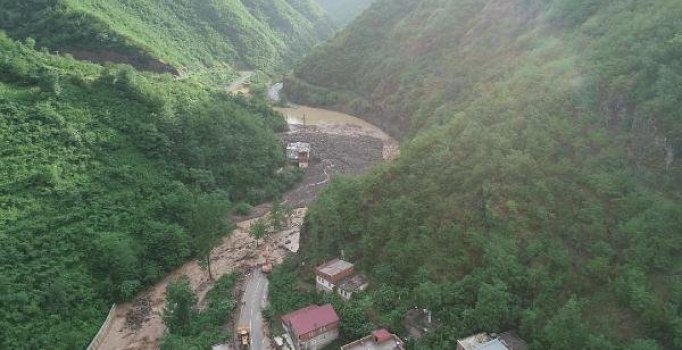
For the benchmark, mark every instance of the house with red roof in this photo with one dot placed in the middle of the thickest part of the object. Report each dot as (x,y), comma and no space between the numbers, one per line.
(312,327)
(381,339)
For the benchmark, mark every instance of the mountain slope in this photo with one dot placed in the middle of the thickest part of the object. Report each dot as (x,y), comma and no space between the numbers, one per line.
(344,11)
(164,35)
(538,187)
(110,178)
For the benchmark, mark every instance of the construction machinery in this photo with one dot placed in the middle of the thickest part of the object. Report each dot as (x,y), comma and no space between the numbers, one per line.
(244,338)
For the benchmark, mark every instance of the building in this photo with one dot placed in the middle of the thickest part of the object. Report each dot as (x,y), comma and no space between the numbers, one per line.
(330,274)
(484,341)
(299,152)
(380,339)
(350,285)
(313,327)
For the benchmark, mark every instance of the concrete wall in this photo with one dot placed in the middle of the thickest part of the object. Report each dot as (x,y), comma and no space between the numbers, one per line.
(97,340)
(321,340)
(324,285)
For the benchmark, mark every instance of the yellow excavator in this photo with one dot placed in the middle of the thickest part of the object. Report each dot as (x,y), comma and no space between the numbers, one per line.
(243,334)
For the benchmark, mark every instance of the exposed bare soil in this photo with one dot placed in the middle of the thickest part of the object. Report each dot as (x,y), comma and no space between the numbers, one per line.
(336,149)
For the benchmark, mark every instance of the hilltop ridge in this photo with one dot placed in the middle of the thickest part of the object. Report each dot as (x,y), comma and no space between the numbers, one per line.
(166,36)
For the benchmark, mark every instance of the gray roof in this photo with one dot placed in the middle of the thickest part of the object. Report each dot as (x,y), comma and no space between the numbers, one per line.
(353,283)
(335,267)
(495,344)
(484,341)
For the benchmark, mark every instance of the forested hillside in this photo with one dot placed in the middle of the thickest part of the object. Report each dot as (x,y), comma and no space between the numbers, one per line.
(110,178)
(164,35)
(343,12)
(539,183)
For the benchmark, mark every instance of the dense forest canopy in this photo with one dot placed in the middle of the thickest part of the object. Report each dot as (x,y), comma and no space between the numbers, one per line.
(110,178)
(167,35)
(342,12)
(539,186)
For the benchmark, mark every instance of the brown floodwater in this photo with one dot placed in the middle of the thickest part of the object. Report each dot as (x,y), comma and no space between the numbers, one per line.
(302,115)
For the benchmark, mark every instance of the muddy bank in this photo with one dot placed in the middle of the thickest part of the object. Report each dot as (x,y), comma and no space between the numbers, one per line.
(330,155)
(309,119)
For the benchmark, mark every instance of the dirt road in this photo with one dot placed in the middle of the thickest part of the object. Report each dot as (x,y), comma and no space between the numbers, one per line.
(239,82)
(341,144)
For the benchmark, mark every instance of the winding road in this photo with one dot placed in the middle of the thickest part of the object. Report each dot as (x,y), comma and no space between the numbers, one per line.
(253,302)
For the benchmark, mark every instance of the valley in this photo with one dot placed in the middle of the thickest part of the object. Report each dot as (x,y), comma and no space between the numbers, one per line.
(341,145)
(455,173)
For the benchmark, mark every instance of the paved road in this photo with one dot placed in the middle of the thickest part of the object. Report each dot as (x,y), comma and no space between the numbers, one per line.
(253,303)
(243,78)
(273,92)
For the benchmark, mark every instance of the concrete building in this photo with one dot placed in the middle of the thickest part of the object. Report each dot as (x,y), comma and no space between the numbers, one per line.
(484,341)
(330,274)
(380,339)
(299,152)
(313,327)
(350,285)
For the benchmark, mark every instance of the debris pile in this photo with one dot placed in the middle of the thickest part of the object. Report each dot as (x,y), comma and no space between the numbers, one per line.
(139,313)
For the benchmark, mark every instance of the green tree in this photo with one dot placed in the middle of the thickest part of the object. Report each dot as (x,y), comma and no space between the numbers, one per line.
(280,215)
(640,344)
(258,230)
(208,224)
(179,310)
(566,329)
(493,307)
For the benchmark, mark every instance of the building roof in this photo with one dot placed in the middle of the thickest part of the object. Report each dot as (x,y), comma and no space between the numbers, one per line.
(381,339)
(494,344)
(353,283)
(381,335)
(484,341)
(512,341)
(334,267)
(310,318)
(299,146)
(475,342)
